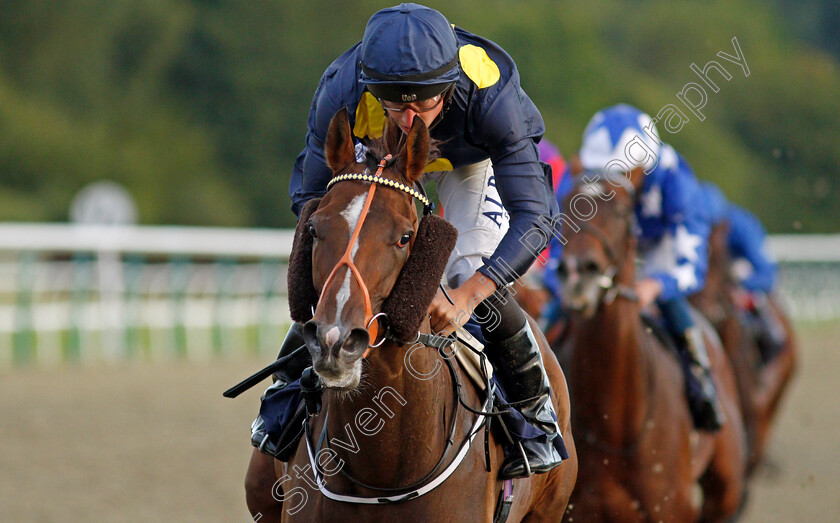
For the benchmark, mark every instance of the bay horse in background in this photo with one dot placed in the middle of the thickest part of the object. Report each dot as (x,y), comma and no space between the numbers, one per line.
(760,386)
(639,456)
(532,296)
(390,428)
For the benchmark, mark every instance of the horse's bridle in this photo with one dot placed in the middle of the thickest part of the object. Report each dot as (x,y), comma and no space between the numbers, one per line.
(371,323)
(606,281)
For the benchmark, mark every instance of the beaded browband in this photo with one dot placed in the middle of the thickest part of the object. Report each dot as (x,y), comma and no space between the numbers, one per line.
(375,178)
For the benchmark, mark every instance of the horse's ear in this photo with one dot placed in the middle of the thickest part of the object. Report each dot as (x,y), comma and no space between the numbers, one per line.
(637,178)
(416,150)
(392,136)
(575,167)
(340,151)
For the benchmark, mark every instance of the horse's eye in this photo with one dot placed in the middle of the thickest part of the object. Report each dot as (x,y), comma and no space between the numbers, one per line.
(404,239)
(591,267)
(312,232)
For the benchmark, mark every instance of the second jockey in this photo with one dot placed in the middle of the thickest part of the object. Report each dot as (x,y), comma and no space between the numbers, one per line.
(672,235)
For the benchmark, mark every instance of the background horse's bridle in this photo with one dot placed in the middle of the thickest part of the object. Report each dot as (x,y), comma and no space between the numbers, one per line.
(606,281)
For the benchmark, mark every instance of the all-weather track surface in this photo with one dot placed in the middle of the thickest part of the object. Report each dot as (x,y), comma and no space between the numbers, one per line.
(154,442)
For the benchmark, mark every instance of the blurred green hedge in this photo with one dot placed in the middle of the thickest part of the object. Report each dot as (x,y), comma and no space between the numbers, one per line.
(199,107)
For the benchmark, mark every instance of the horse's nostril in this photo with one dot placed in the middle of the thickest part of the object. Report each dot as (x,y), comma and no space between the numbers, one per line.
(591,267)
(310,337)
(356,343)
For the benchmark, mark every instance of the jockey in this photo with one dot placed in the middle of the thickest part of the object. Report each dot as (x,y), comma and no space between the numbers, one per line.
(672,233)
(412,63)
(751,266)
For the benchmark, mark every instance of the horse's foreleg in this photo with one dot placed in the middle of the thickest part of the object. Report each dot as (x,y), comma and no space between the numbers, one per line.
(724,481)
(773,381)
(259,482)
(786,366)
(786,361)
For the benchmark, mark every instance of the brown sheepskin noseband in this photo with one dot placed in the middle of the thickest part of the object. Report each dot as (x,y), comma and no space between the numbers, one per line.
(413,291)
(302,294)
(418,281)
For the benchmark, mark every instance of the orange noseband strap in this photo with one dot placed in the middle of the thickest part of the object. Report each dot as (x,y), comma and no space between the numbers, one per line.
(372,326)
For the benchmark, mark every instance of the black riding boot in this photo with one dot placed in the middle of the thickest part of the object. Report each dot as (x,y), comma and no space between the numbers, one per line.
(703,401)
(298,359)
(519,366)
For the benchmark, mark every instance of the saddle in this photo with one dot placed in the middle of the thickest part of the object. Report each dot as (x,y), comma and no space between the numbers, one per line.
(284,405)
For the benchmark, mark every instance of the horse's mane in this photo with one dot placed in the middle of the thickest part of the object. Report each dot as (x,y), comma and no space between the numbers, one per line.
(393,142)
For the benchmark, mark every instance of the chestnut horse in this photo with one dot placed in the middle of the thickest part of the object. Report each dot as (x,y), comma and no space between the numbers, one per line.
(760,386)
(533,298)
(640,459)
(390,428)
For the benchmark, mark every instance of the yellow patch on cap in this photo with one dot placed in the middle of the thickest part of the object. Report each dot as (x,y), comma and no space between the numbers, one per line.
(478,66)
(370,117)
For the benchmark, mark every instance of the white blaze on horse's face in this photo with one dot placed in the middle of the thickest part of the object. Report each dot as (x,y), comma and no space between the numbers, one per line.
(351,215)
(580,286)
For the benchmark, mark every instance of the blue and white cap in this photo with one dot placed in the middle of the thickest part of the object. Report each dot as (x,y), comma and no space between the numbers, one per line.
(609,133)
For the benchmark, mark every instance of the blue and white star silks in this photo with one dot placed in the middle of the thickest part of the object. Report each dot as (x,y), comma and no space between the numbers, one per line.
(748,249)
(651,202)
(752,266)
(687,244)
(674,232)
(686,278)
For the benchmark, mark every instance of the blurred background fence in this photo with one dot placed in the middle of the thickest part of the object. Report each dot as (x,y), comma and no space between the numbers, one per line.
(100,293)
(809,274)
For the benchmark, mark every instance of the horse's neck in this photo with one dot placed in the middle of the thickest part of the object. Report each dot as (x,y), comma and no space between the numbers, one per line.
(717,276)
(399,420)
(713,300)
(609,369)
